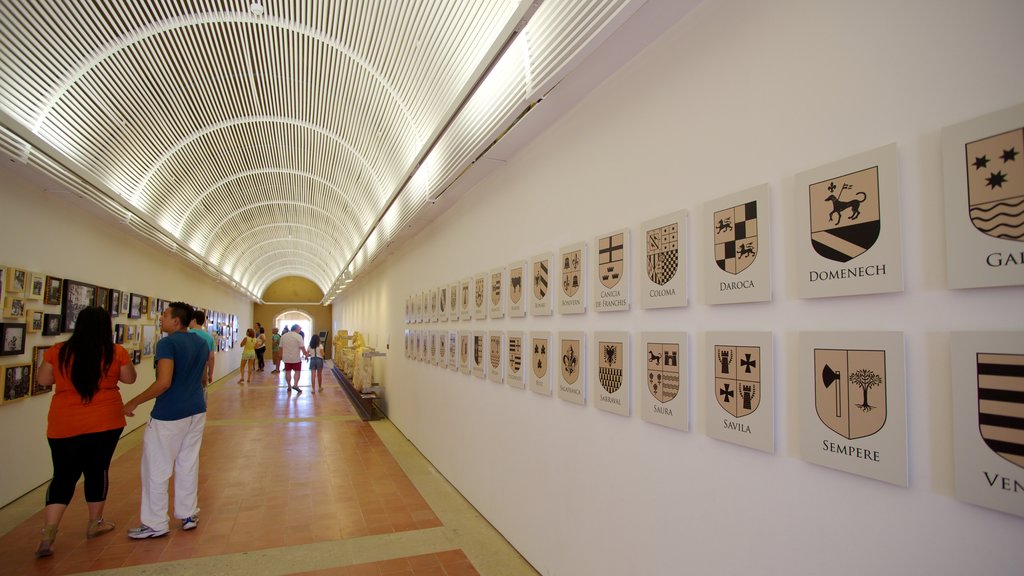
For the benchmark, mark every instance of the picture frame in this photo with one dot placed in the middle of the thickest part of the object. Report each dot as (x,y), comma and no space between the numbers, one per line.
(125,304)
(51,324)
(12,339)
(102,298)
(37,361)
(36,286)
(135,309)
(17,381)
(34,319)
(119,330)
(14,307)
(136,357)
(76,296)
(52,292)
(114,304)
(148,343)
(16,281)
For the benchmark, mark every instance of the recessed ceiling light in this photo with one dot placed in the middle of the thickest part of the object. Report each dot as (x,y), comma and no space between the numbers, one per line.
(256,9)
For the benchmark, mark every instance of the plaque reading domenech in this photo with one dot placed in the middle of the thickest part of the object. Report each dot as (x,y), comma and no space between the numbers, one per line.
(848,228)
(740,394)
(853,413)
(611,271)
(664,283)
(983,176)
(737,248)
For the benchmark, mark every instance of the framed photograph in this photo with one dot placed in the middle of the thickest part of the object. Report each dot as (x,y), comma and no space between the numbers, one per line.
(13,339)
(16,281)
(14,307)
(36,286)
(146,308)
(135,308)
(103,298)
(119,330)
(51,324)
(37,360)
(148,340)
(136,356)
(35,320)
(125,304)
(17,381)
(114,306)
(51,294)
(76,297)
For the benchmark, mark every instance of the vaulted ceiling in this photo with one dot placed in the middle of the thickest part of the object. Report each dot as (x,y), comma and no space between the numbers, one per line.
(268,139)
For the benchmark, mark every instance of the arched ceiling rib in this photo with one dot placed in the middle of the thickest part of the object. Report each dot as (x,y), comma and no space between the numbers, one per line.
(323,125)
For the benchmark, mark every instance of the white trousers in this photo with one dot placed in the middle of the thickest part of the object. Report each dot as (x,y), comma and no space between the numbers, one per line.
(171,447)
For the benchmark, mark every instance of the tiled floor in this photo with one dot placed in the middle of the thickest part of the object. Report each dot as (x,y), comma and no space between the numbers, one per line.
(289,484)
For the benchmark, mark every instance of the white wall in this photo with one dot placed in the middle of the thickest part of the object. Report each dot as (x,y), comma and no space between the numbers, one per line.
(736,94)
(43,232)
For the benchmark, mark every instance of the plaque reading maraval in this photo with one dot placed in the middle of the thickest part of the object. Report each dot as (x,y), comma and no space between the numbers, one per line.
(611,376)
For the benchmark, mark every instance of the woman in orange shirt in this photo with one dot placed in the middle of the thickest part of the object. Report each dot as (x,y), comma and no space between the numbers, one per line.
(85,420)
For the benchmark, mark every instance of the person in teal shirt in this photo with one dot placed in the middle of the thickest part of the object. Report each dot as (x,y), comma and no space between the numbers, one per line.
(197,326)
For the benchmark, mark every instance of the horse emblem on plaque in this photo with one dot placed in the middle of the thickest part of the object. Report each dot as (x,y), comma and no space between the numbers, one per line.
(609,372)
(850,391)
(610,260)
(736,237)
(738,379)
(995,185)
(540,357)
(1001,404)
(663,370)
(845,215)
(572,266)
(662,253)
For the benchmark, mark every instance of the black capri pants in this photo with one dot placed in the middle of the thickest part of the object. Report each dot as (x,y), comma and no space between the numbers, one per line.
(87,454)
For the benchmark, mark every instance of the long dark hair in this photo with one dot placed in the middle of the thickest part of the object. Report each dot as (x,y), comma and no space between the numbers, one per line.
(314,341)
(87,355)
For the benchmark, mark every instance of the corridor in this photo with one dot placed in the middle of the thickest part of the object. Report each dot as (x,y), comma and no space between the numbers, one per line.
(289,484)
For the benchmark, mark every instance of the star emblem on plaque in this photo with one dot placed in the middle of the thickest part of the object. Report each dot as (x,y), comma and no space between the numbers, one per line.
(1001,404)
(850,391)
(738,379)
(610,368)
(570,361)
(663,370)
(540,357)
(572,267)
(845,216)
(610,260)
(995,185)
(735,237)
(662,253)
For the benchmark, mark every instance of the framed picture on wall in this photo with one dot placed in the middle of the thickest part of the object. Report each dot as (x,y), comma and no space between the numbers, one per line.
(148,340)
(51,295)
(35,320)
(119,333)
(13,339)
(115,303)
(76,297)
(16,281)
(135,310)
(36,286)
(37,360)
(14,307)
(51,324)
(103,298)
(125,304)
(136,356)
(17,381)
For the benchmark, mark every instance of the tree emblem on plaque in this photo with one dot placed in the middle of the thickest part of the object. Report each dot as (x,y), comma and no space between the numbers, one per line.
(540,357)
(609,371)
(515,284)
(515,355)
(610,259)
(850,391)
(495,288)
(1001,404)
(736,237)
(995,184)
(479,285)
(540,279)
(662,253)
(738,378)
(572,267)
(570,361)
(495,352)
(663,370)
(845,215)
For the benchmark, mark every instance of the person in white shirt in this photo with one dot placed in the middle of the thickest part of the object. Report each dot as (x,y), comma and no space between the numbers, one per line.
(316,363)
(293,348)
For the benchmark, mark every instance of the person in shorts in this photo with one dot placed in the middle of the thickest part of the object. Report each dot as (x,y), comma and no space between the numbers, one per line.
(293,349)
(316,363)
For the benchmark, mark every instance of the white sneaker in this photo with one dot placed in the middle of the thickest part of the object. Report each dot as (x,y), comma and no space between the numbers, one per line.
(145,532)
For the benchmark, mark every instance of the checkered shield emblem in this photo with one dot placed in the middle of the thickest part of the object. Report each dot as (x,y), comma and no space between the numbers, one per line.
(1001,404)
(540,279)
(570,361)
(845,215)
(540,357)
(995,184)
(662,253)
(495,289)
(738,379)
(609,370)
(663,370)
(736,237)
(515,356)
(572,266)
(479,292)
(515,284)
(610,260)
(850,391)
